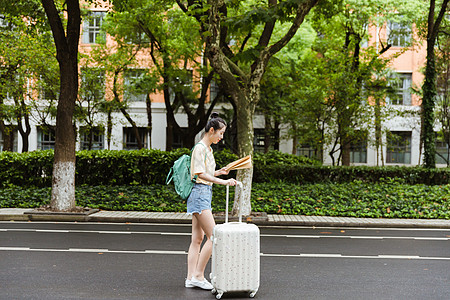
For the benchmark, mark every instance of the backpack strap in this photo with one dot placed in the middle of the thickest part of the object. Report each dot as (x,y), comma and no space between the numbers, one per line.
(168,180)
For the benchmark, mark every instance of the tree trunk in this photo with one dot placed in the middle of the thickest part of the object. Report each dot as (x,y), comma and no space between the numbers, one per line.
(267,133)
(148,103)
(429,95)
(24,133)
(244,88)
(5,130)
(245,133)
(345,153)
(109,128)
(63,180)
(429,85)
(127,116)
(294,140)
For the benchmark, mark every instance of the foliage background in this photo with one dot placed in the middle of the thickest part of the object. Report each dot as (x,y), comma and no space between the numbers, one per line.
(284,184)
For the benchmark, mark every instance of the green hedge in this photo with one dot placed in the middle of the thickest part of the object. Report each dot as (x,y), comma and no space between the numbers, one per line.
(147,167)
(303,174)
(104,167)
(356,199)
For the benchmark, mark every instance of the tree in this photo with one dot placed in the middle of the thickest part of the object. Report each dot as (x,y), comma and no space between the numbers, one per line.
(26,54)
(443,87)
(429,85)
(237,36)
(282,89)
(90,101)
(357,76)
(171,40)
(66,34)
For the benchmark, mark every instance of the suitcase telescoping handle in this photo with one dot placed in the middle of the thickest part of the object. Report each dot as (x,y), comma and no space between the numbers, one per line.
(226,206)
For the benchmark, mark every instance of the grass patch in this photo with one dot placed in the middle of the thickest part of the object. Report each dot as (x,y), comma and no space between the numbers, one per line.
(388,199)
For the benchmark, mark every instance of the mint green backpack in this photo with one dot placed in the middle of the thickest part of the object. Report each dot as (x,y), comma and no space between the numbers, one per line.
(180,173)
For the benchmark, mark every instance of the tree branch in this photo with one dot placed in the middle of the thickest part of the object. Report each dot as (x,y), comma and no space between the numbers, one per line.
(56,25)
(437,24)
(302,10)
(268,28)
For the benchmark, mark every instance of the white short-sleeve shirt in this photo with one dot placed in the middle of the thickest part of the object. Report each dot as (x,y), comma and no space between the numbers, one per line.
(202,161)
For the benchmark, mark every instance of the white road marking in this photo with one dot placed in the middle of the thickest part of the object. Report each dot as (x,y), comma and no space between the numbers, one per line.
(312,255)
(172,252)
(262,235)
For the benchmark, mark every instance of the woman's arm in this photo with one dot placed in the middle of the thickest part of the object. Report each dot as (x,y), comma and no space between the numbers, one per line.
(217,180)
(223,171)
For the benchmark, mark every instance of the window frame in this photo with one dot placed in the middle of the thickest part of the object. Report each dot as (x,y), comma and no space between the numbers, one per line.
(399,35)
(129,141)
(92,31)
(259,140)
(49,143)
(307,151)
(400,149)
(358,150)
(130,81)
(98,138)
(403,90)
(442,150)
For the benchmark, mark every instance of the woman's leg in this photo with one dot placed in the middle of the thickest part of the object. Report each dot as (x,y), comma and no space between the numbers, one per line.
(206,221)
(194,248)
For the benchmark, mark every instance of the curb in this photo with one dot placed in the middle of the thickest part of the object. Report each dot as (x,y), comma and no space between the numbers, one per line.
(358,224)
(15,214)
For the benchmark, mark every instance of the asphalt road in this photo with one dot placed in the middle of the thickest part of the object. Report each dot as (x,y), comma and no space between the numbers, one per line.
(145,261)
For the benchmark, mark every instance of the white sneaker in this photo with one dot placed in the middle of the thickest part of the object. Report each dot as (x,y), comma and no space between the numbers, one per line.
(204,284)
(188,283)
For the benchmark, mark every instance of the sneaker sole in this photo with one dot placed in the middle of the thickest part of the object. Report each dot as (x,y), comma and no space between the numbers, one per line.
(202,287)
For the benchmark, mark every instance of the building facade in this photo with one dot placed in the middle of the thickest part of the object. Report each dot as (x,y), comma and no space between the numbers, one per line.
(400,147)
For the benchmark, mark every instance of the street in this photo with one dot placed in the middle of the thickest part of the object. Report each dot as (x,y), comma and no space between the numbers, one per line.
(148,261)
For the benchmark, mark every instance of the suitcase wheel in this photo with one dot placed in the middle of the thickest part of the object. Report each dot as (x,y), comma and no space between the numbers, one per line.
(219,295)
(213,291)
(252,294)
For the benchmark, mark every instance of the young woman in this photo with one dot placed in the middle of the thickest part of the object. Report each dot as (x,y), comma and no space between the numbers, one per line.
(199,201)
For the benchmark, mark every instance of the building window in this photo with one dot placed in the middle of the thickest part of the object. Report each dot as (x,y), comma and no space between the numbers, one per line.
(402,86)
(129,138)
(306,150)
(399,34)
(93,139)
(46,138)
(137,38)
(358,150)
(365,38)
(259,140)
(177,139)
(92,26)
(133,85)
(213,90)
(399,147)
(442,150)
(10,141)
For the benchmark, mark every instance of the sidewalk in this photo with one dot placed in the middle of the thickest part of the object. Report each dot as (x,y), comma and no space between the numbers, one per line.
(27,214)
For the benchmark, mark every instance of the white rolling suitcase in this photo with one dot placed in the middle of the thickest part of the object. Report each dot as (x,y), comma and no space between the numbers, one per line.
(235,263)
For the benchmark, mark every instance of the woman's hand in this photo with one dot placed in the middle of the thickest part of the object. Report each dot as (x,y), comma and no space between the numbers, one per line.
(231,182)
(223,171)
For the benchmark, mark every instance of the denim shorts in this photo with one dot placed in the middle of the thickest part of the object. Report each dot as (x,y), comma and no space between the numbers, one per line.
(199,199)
